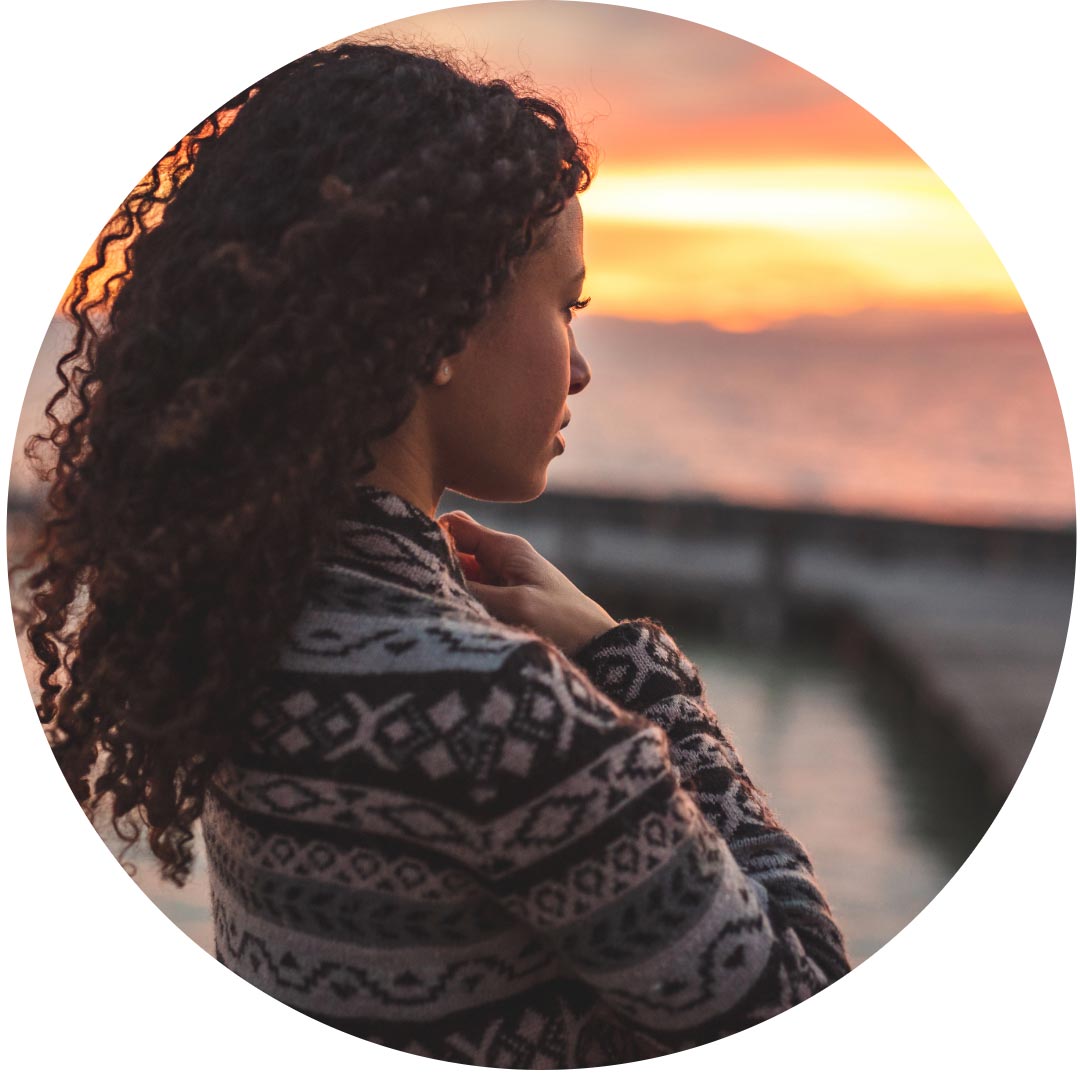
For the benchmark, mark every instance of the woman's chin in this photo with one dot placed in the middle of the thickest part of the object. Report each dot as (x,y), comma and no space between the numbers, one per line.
(512,489)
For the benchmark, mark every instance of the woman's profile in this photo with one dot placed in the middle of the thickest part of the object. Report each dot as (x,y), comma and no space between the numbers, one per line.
(450,805)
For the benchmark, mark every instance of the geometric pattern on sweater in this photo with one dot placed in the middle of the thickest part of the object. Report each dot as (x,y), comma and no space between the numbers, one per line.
(357,643)
(431,729)
(470,730)
(365,917)
(568,894)
(562,815)
(349,978)
(326,859)
(551,1026)
(439,833)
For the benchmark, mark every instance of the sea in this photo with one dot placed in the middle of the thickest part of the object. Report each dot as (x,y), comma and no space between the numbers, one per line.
(937,416)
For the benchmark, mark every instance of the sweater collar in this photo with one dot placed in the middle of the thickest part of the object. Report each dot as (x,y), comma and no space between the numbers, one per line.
(387,537)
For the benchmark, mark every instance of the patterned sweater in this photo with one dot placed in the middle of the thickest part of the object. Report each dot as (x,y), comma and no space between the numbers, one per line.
(442,835)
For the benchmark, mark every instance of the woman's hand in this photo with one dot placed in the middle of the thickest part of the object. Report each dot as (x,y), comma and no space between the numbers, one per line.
(519,586)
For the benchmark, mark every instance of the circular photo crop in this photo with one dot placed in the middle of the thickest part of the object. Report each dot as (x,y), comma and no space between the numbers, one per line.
(541,534)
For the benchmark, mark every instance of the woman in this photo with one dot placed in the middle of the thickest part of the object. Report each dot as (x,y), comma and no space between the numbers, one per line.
(449,804)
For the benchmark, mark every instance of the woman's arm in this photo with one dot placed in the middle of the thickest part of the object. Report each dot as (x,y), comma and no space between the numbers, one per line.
(691,923)
(639,666)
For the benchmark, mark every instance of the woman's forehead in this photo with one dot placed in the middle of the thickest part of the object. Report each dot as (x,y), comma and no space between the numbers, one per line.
(569,223)
(562,250)
(556,254)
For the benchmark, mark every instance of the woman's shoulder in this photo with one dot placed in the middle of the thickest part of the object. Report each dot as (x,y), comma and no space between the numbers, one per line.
(352,624)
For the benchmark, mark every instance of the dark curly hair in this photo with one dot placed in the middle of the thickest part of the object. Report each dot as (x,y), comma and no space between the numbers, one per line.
(289,274)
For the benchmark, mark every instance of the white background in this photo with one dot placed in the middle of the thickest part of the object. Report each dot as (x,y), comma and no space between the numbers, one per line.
(981,983)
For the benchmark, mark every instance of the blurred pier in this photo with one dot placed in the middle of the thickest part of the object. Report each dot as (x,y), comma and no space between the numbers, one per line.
(962,626)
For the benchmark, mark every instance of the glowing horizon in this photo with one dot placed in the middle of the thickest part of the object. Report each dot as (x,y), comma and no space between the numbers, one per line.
(732,187)
(742,246)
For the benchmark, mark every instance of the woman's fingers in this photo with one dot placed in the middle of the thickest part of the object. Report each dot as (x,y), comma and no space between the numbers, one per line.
(473,570)
(492,550)
(522,588)
(505,603)
(469,535)
(470,566)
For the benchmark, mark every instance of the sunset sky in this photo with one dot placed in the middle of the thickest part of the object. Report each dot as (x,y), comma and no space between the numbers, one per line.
(734,187)
(783,294)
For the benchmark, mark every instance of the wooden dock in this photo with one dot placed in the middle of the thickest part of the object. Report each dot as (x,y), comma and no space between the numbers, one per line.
(966,623)
(970,620)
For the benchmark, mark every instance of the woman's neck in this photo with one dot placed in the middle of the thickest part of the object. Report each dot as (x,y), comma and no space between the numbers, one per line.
(407,479)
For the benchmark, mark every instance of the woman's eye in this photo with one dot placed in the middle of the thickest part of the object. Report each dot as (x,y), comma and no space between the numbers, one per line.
(578,305)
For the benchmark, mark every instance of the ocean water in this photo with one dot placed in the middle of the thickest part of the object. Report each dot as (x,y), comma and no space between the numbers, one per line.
(932,415)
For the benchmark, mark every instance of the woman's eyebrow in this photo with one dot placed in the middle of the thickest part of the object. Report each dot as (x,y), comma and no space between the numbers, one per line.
(578,277)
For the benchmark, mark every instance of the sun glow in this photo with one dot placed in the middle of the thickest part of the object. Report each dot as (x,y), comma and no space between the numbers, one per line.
(744,245)
(801,197)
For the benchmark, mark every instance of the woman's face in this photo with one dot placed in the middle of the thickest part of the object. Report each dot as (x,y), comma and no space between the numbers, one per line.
(496,422)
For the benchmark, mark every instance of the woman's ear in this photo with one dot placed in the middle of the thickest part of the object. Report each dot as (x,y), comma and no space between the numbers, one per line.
(448,366)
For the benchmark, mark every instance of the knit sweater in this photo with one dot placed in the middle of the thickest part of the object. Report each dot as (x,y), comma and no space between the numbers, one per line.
(442,835)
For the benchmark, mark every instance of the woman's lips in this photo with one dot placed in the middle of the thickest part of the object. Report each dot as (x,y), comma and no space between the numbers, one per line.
(560,439)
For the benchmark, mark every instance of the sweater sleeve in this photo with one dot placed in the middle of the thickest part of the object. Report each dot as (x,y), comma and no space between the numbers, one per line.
(637,664)
(691,920)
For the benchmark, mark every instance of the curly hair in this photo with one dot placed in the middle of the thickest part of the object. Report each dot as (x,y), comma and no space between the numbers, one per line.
(291,272)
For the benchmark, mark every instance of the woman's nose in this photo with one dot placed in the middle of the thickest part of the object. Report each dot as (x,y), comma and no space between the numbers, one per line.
(580,372)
